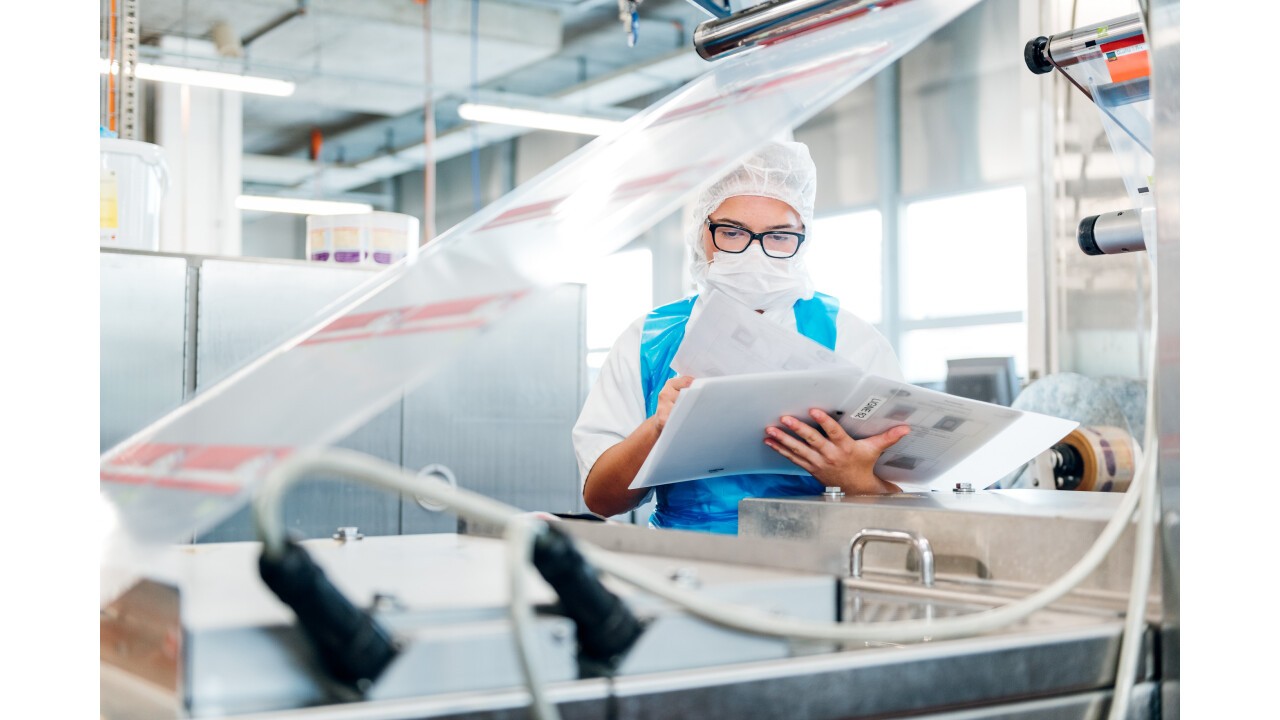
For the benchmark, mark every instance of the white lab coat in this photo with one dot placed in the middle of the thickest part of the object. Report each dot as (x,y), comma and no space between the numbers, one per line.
(615,406)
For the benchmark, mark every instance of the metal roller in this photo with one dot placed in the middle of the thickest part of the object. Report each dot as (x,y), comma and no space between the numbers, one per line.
(773,21)
(1118,231)
(1065,49)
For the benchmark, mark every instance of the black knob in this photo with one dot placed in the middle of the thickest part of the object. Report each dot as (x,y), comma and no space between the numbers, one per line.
(1034,55)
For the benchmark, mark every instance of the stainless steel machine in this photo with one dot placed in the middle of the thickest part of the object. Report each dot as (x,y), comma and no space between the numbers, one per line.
(205,638)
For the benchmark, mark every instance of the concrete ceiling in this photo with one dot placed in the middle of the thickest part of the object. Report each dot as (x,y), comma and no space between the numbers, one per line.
(360,70)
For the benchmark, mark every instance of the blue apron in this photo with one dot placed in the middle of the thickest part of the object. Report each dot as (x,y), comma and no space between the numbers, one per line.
(711,505)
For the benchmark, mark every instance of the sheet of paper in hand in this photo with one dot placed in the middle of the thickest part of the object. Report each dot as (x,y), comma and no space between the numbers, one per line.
(717,426)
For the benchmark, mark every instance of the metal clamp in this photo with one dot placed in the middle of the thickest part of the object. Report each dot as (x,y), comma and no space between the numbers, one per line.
(915,540)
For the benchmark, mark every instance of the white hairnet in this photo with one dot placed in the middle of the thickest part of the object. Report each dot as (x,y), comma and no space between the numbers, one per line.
(779,170)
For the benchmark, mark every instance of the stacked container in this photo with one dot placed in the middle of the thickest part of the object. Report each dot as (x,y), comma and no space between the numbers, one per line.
(134,178)
(376,238)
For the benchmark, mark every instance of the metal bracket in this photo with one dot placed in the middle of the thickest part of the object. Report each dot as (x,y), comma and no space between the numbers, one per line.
(915,540)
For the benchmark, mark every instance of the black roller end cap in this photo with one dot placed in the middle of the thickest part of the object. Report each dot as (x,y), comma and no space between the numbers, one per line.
(1034,55)
(1084,236)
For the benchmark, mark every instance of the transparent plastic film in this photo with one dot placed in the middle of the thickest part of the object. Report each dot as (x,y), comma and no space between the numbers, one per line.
(197,465)
(1110,63)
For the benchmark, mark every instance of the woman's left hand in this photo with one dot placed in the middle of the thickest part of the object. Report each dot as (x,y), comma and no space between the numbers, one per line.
(835,459)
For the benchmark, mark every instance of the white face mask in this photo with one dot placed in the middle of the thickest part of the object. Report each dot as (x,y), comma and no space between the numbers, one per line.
(758,281)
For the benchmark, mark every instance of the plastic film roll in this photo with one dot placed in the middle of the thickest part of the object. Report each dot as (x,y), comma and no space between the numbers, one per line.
(1100,458)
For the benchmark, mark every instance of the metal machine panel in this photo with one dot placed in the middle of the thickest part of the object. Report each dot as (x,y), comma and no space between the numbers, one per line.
(143,341)
(247,308)
(499,417)
(1020,536)
(1164,19)
(206,628)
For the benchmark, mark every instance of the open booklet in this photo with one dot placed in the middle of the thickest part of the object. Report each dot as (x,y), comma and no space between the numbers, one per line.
(750,372)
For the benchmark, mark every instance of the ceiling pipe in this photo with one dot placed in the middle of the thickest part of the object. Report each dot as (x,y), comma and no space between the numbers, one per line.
(281,20)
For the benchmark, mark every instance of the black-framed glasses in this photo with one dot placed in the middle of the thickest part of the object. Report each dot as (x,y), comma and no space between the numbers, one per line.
(776,244)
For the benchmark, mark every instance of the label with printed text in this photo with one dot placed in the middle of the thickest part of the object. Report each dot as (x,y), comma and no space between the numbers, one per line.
(869,408)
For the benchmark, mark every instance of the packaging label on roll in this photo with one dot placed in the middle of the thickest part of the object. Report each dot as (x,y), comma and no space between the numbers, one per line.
(388,245)
(318,245)
(1126,58)
(346,245)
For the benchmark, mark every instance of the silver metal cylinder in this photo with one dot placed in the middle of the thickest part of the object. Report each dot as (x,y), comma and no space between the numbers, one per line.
(1069,48)
(772,21)
(1072,47)
(1110,233)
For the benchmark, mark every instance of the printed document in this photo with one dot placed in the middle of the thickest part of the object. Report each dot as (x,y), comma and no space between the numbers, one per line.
(750,372)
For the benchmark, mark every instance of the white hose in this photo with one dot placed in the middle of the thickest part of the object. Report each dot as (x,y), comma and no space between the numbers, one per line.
(757,622)
(520,534)
(1136,611)
(749,620)
(358,466)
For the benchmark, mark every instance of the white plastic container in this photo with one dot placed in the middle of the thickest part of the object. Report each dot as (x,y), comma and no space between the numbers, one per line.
(134,180)
(376,238)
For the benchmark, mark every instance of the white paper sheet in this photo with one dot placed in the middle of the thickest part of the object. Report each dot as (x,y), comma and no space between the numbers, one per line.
(728,338)
(744,384)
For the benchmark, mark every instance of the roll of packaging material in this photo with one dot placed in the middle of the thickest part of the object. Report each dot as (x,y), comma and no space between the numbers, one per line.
(375,238)
(1108,454)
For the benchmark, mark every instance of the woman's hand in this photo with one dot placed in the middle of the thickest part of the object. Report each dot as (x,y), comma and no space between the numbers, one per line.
(835,459)
(667,398)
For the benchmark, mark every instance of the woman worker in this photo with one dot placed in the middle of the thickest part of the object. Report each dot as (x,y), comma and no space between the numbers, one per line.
(748,241)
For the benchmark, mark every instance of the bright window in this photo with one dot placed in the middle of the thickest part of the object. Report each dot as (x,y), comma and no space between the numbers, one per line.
(844,260)
(619,290)
(963,281)
(924,353)
(965,255)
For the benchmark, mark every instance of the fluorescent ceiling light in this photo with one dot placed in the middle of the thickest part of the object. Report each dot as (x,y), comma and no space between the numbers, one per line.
(503,115)
(207,78)
(300,206)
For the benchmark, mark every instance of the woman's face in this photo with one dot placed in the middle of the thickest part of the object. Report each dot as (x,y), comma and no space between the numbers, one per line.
(754,213)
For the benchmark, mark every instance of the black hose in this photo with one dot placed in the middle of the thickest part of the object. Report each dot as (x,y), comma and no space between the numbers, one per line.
(353,648)
(606,627)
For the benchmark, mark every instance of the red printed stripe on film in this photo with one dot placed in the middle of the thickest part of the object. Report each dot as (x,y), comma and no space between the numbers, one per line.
(174,483)
(1122,43)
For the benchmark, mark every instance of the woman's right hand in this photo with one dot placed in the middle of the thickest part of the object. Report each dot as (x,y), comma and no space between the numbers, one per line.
(667,398)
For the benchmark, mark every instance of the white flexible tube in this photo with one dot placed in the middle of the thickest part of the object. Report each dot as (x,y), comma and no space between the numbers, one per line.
(757,622)
(349,463)
(520,534)
(749,620)
(1136,611)
(477,507)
